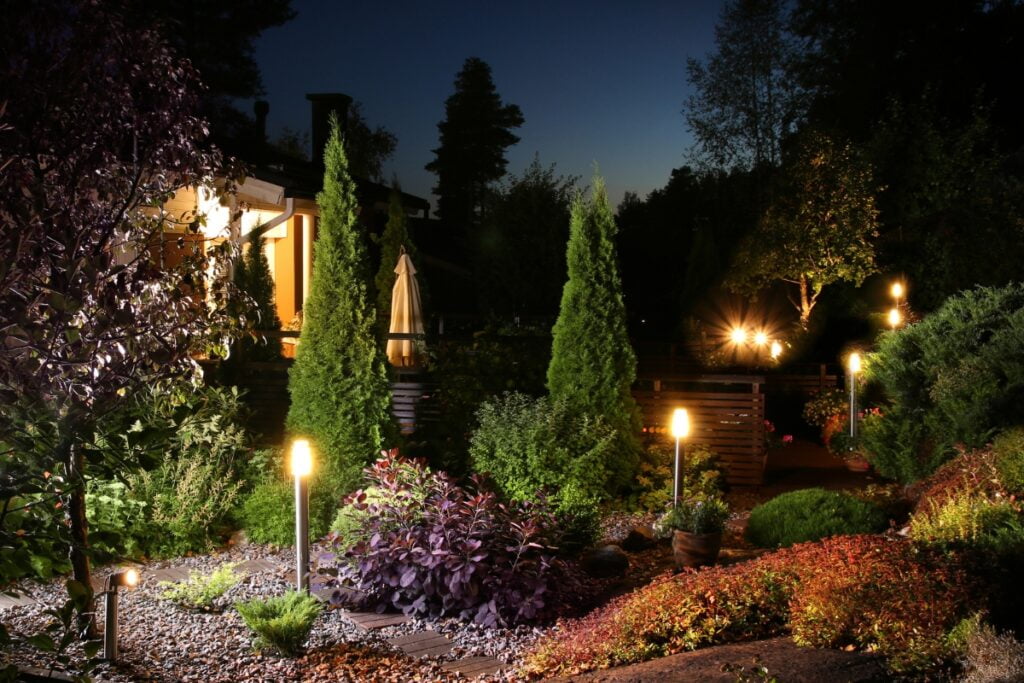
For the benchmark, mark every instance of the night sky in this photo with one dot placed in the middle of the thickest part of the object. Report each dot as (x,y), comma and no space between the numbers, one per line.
(597,81)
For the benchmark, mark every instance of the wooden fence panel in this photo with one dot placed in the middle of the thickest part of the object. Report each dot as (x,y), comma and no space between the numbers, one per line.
(729,423)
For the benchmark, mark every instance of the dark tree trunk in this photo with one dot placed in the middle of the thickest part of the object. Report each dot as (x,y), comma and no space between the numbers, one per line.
(79,526)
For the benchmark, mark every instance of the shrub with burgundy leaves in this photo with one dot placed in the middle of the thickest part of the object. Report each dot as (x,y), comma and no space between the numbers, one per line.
(434,548)
(870,592)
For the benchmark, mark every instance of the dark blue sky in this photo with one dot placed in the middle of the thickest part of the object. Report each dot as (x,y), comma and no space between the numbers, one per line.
(597,81)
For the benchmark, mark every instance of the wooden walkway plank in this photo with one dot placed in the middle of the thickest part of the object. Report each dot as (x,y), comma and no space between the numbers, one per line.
(370,621)
(471,667)
(423,644)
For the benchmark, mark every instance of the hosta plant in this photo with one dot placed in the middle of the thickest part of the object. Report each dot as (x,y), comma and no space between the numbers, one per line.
(431,547)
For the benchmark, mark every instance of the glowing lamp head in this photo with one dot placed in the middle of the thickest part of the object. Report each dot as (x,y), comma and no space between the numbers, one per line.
(895,318)
(131,578)
(738,335)
(760,338)
(302,458)
(776,349)
(853,362)
(126,578)
(897,290)
(680,423)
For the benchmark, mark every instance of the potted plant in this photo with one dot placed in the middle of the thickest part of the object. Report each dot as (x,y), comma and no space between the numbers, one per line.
(696,526)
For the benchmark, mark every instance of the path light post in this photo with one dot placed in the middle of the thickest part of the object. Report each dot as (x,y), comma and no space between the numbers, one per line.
(680,430)
(897,292)
(302,465)
(128,578)
(853,365)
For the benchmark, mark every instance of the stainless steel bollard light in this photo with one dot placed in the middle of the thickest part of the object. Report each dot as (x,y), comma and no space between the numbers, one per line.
(129,578)
(853,364)
(680,430)
(302,466)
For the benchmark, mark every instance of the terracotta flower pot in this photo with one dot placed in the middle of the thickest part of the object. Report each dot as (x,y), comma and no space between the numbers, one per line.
(857,463)
(695,550)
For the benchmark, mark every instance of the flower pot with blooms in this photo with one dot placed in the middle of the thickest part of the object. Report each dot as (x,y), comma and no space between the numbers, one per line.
(696,527)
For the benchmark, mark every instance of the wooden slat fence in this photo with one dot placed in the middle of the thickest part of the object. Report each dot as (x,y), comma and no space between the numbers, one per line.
(726,414)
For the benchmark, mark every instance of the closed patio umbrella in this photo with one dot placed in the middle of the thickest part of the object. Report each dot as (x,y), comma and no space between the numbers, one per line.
(406,313)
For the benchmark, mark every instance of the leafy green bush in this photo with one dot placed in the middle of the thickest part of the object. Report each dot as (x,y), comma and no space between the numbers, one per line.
(200,592)
(1009,452)
(282,622)
(268,512)
(957,377)
(527,444)
(118,525)
(695,516)
(809,515)
(971,519)
(702,477)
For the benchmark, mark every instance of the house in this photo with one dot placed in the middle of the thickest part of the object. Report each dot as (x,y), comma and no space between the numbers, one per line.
(278,198)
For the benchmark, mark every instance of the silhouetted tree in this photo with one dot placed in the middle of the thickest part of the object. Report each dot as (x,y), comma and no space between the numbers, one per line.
(475,133)
(367,148)
(521,247)
(394,238)
(97,127)
(745,101)
(252,276)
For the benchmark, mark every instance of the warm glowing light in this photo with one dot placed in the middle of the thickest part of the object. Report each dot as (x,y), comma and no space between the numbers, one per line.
(854,362)
(894,317)
(760,338)
(897,290)
(131,578)
(302,458)
(680,423)
(738,335)
(776,349)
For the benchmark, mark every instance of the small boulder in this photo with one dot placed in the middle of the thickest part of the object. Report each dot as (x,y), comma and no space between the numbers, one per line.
(606,562)
(640,537)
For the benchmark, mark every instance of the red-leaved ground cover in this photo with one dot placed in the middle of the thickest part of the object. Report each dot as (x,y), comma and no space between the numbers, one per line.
(871,592)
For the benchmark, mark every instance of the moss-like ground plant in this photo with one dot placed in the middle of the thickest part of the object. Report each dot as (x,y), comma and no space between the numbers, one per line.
(282,622)
(810,515)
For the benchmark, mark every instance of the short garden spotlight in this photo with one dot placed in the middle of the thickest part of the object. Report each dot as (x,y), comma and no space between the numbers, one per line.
(302,466)
(128,578)
(680,430)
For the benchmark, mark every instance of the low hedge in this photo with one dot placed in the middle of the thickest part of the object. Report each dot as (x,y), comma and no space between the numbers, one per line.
(810,515)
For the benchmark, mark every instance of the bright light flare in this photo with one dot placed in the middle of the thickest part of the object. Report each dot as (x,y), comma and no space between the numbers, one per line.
(738,335)
(853,362)
(895,318)
(776,349)
(680,423)
(131,578)
(896,290)
(302,458)
(760,338)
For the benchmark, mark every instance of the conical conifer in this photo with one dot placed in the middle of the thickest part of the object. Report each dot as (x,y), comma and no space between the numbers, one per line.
(338,384)
(593,366)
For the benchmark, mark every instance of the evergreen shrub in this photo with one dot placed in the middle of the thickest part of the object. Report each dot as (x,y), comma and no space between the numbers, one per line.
(252,276)
(956,377)
(701,476)
(810,515)
(338,384)
(593,365)
(1009,455)
(282,622)
(529,444)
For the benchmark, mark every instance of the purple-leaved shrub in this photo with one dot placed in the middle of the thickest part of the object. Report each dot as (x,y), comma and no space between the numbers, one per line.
(433,548)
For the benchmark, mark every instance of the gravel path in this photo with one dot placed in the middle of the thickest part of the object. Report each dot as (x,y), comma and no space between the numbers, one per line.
(163,642)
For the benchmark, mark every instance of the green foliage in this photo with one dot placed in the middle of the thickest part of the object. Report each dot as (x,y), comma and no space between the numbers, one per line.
(118,524)
(496,360)
(200,592)
(1009,452)
(268,512)
(701,478)
(474,135)
(252,276)
(695,516)
(955,377)
(592,362)
(528,444)
(970,519)
(818,231)
(810,515)
(282,622)
(824,406)
(338,385)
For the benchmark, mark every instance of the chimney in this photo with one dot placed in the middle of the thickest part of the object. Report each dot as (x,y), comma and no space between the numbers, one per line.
(324,104)
(261,108)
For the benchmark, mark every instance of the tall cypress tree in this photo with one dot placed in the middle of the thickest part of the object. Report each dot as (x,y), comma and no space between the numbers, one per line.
(338,384)
(252,276)
(593,365)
